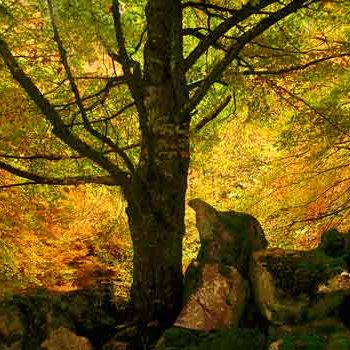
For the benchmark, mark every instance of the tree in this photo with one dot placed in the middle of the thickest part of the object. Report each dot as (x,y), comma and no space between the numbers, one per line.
(161,73)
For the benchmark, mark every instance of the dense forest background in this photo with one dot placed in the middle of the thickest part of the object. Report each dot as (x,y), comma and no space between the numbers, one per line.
(277,147)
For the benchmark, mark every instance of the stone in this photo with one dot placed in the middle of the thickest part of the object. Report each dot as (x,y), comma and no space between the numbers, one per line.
(291,286)
(276,345)
(64,339)
(116,345)
(225,339)
(339,340)
(78,306)
(227,237)
(217,302)
(18,345)
(327,334)
(334,243)
(216,288)
(11,322)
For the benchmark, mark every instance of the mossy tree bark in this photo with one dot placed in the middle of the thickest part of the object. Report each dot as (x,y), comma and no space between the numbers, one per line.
(156,197)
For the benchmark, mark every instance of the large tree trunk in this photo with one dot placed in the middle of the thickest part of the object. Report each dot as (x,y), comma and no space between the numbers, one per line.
(156,197)
(157,227)
(156,211)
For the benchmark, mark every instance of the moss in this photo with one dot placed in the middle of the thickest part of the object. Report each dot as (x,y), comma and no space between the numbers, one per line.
(303,342)
(179,338)
(238,339)
(203,254)
(227,339)
(339,341)
(302,272)
(236,222)
(333,243)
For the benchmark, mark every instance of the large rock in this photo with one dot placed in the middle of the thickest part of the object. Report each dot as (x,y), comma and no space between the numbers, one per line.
(227,237)
(115,344)
(328,334)
(224,339)
(28,319)
(334,243)
(64,339)
(294,286)
(12,328)
(216,299)
(216,283)
(11,322)
(18,345)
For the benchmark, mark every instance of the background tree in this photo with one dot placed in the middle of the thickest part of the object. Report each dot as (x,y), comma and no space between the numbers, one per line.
(126,121)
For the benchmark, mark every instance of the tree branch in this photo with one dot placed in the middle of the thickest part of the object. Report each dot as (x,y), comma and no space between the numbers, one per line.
(235,49)
(131,69)
(195,32)
(202,5)
(111,82)
(51,115)
(63,54)
(114,115)
(237,17)
(74,180)
(277,87)
(57,157)
(213,115)
(294,68)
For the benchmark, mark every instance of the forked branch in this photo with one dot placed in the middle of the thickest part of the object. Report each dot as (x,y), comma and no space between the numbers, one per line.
(238,45)
(94,132)
(59,128)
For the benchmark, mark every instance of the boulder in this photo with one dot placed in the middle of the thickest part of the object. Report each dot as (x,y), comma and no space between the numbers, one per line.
(11,322)
(12,327)
(327,334)
(294,286)
(115,344)
(227,237)
(216,283)
(334,243)
(89,308)
(224,339)
(64,339)
(18,345)
(216,300)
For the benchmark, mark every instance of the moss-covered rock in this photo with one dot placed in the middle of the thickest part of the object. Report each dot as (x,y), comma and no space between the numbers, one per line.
(12,327)
(11,322)
(335,243)
(216,283)
(218,302)
(225,339)
(293,286)
(339,340)
(227,237)
(64,339)
(30,319)
(328,334)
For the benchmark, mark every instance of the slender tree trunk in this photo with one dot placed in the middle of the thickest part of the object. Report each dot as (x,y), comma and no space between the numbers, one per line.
(156,197)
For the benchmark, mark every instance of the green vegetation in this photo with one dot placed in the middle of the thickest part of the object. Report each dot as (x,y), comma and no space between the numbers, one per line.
(240,339)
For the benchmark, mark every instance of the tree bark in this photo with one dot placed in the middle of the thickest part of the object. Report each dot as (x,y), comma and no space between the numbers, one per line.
(156,196)
(156,222)
(156,211)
